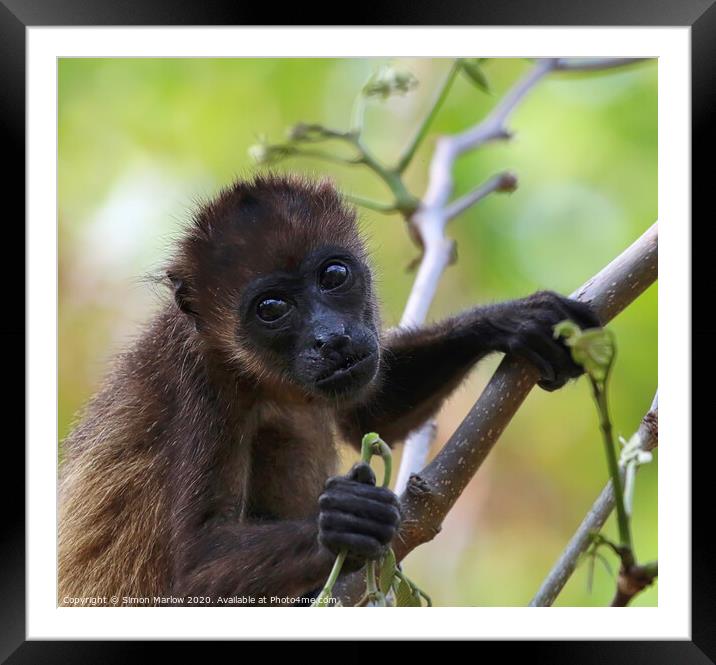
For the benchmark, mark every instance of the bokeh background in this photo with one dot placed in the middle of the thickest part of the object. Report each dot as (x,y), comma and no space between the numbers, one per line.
(141,140)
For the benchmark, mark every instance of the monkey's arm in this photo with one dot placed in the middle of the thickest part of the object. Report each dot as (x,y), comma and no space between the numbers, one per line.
(421,367)
(293,557)
(282,559)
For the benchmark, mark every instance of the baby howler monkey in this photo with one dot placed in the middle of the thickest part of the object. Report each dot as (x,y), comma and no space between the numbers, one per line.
(204,466)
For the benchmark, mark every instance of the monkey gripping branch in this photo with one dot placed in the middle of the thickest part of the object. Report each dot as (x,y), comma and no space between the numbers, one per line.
(431,493)
(427,219)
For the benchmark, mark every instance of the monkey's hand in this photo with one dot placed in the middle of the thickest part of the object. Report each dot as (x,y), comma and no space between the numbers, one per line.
(525,329)
(357,516)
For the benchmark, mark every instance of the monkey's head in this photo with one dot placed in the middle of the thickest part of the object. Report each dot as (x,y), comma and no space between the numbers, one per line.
(274,276)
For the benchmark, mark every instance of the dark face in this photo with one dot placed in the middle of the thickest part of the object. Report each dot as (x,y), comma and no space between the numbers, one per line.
(315,324)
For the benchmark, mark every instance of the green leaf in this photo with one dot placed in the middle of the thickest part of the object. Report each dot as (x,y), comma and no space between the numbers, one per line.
(405,596)
(567,329)
(471,67)
(604,562)
(368,444)
(370,438)
(422,596)
(593,349)
(389,81)
(387,571)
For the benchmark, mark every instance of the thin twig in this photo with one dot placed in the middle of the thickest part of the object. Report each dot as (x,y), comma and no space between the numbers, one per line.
(594,520)
(429,222)
(504,182)
(377,206)
(615,475)
(594,64)
(422,131)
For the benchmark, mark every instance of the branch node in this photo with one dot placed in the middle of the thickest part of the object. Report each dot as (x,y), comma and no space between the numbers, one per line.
(633,580)
(417,486)
(508,182)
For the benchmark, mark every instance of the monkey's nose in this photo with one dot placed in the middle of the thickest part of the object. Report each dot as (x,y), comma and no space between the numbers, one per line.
(332,341)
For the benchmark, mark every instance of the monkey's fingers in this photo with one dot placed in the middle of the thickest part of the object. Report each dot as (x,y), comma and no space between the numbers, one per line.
(335,520)
(559,359)
(378,511)
(357,545)
(532,355)
(381,494)
(361,472)
(551,308)
(582,314)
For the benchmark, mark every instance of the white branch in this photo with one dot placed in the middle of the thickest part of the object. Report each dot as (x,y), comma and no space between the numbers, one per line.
(430,221)
(436,210)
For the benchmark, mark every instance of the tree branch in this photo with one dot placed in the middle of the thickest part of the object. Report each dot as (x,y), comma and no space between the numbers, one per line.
(449,148)
(595,519)
(438,251)
(430,494)
(594,64)
(429,220)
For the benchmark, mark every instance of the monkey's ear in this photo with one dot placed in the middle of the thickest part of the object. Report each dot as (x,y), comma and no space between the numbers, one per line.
(182,296)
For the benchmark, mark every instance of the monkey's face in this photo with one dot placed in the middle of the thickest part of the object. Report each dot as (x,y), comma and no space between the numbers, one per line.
(273,275)
(315,324)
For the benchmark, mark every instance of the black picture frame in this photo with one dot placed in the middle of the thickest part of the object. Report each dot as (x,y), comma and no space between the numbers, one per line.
(17,15)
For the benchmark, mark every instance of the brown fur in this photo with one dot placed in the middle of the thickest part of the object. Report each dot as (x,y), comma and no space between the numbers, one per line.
(190,428)
(197,468)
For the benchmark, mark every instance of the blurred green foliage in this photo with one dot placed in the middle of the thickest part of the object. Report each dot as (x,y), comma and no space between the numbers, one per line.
(142,140)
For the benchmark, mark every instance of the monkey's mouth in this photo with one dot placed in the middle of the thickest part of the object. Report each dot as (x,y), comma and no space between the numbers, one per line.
(352,368)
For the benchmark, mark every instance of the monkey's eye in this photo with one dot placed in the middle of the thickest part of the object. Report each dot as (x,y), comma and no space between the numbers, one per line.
(272,309)
(333,275)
